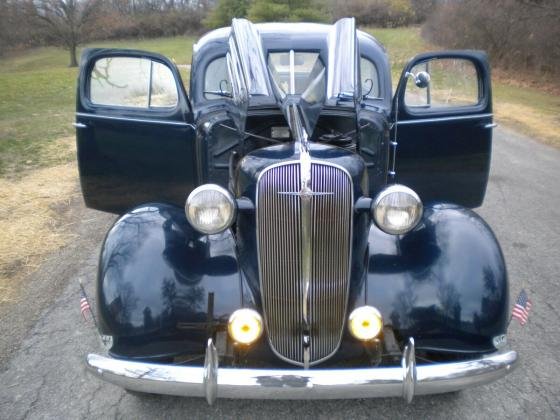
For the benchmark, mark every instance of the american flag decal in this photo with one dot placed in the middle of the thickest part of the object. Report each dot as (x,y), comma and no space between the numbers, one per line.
(521,308)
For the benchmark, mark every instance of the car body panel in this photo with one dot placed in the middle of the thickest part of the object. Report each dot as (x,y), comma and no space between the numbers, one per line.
(155,270)
(445,283)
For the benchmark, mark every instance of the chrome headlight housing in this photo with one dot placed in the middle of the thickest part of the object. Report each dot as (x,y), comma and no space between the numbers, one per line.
(397,209)
(210,209)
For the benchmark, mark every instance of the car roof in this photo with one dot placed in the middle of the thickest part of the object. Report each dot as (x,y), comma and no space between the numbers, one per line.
(274,35)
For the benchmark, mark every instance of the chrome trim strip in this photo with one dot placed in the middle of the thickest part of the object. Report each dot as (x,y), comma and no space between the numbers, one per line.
(301,384)
(443,119)
(141,120)
(306,198)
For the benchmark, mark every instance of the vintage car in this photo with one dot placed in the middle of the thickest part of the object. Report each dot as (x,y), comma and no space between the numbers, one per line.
(292,229)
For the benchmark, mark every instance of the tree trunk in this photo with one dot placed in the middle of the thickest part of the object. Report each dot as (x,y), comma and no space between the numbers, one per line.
(73,60)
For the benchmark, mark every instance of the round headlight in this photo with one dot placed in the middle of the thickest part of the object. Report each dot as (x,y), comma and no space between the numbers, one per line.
(245,326)
(397,209)
(365,323)
(210,209)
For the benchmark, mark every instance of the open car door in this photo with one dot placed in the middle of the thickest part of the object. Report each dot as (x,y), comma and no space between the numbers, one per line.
(135,139)
(443,126)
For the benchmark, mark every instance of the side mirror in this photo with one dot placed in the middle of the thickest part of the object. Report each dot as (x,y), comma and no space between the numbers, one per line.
(421,79)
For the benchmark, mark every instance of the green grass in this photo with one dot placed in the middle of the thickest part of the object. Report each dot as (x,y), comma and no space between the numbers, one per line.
(37,96)
(402,44)
(35,109)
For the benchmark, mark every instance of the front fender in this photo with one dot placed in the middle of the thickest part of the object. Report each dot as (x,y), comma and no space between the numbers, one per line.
(444,283)
(156,274)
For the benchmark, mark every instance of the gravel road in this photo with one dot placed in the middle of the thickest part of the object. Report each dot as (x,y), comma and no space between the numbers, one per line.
(43,373)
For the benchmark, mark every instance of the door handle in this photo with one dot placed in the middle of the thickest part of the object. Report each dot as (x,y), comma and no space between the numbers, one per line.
(490,125)
(79,125)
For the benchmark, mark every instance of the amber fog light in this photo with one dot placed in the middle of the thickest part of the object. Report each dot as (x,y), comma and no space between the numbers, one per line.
(365,323)
(245,326)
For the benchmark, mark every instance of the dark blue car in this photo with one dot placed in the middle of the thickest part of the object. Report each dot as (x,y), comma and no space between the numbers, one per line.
(292,228)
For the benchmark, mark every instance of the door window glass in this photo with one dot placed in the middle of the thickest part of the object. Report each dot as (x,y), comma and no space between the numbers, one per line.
(370,79)
(132,82)
(164,89)
(442,83)
(216,79)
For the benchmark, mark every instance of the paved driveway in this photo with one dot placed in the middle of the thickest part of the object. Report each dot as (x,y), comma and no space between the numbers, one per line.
(45,377)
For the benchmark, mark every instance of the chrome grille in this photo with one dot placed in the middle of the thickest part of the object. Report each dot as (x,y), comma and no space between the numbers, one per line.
(279,234)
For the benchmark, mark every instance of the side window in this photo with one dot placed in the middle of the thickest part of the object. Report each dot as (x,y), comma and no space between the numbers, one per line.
(370,78)
(132,82)
(216,79)
(443,83)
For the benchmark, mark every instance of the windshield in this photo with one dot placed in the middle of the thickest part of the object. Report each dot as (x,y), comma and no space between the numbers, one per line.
(217,84)
(307,66)
(298,80)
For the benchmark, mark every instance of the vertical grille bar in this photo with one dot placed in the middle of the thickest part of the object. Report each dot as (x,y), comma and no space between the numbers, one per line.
(280,266)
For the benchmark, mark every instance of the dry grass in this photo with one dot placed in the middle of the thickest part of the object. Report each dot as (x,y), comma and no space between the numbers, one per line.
(540,126)
(531,111)
(30,222)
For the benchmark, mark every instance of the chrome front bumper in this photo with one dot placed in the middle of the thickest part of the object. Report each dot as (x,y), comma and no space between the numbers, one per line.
(212,382)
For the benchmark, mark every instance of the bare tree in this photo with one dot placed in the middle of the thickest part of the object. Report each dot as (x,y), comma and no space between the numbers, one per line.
(67,21)
(520,36)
